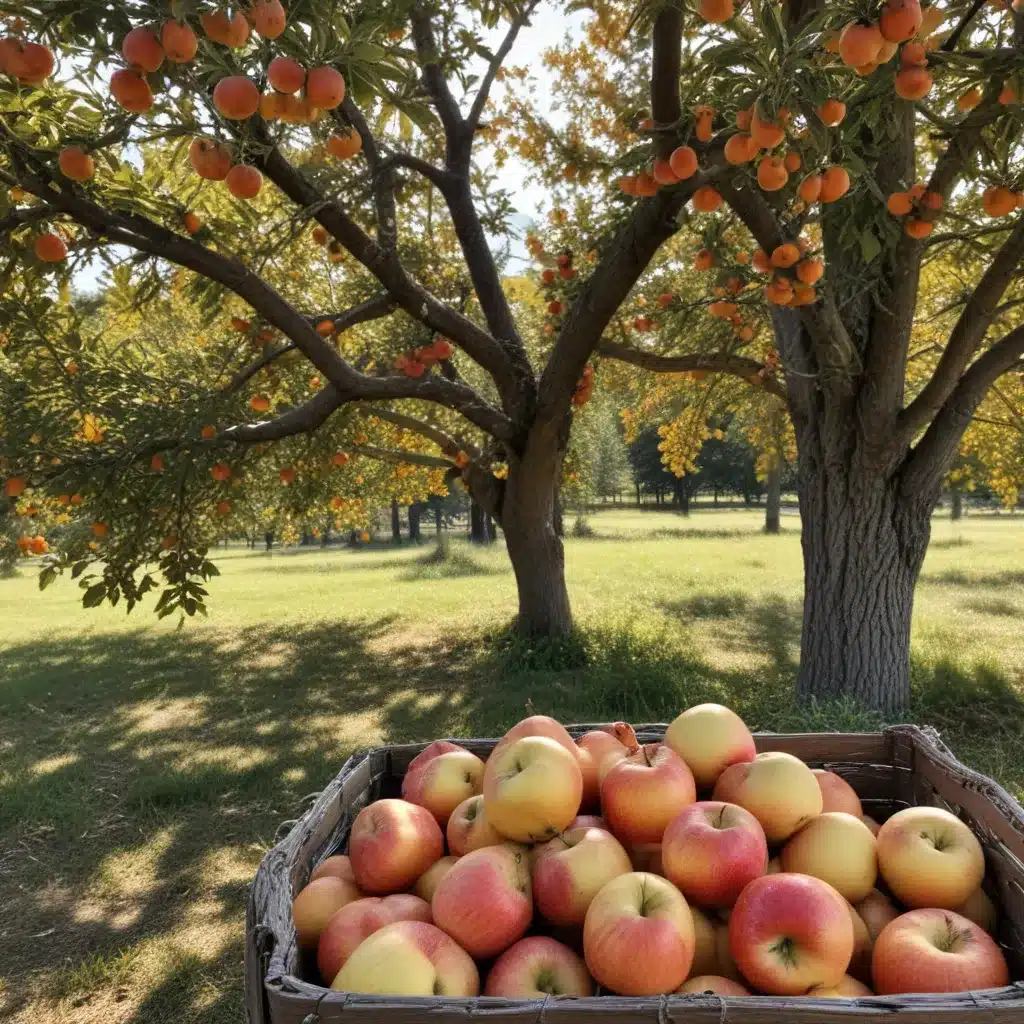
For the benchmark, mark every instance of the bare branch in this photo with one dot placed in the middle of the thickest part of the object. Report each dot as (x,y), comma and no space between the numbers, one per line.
(243,376)
(967,334)
(303,419)
(961,26)
(438,176)
(382,176)
(737,366)
(458,139)
(496,62)
(448,443)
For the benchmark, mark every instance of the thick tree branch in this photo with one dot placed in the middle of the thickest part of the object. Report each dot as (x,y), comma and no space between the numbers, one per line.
(961,26)
(438,176)
(19,218)
(666,63)
(933,454)
(448,443)
(967,334)
(414,458)
(494,66)
(458,139)
(738,366)
(303,419)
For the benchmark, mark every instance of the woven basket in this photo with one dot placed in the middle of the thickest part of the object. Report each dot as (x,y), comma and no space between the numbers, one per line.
(902,766)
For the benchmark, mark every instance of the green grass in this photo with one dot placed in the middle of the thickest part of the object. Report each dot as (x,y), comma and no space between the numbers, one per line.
(144,770)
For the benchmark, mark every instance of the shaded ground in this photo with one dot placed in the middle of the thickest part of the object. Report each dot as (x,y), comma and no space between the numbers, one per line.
(144,771)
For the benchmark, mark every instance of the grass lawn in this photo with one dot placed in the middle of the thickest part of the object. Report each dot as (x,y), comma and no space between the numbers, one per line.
(145,769)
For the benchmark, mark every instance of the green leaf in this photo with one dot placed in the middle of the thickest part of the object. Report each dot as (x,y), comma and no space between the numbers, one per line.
(870,246)
(94,596)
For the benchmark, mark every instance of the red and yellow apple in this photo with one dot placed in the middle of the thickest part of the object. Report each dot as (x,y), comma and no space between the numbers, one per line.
(537,967)
(589,821)
(837,848)
(427,883)
(409,958)
(935,950)
(979,908)
(871,824)
(705,943)
(391,844)
(570,870)
(863,944)
(777,788)
(317,903)
(538,725)
(441,776)
(597,750)
(837,794)
(638,936)
(710,738)
(930,858)
(711,850)
(642,793)
(357,921)
(468,828)
(532,788)
(339,866)
(485,901)
(712,985)
(646,857)
(845,988)
(876,910)
(789,933)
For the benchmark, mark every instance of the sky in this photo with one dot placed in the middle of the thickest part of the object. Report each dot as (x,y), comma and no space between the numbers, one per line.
(548,27)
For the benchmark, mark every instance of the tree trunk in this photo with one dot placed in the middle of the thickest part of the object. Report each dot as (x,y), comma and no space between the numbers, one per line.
(638,496)
(438,523)
(414,523)
(396,523)
(268,539)
(492,531)
(773,508)
(863,547)
(958,505)
(477,523)
(684,501)
(528,515)
(558,518)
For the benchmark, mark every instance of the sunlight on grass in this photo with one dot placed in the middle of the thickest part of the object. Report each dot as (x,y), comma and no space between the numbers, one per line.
(144,770)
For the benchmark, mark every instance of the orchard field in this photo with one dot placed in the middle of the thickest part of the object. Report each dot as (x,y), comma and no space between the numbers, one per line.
(144,770)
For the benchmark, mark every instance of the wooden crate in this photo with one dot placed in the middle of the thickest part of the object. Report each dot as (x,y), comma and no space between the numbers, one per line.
(900,767)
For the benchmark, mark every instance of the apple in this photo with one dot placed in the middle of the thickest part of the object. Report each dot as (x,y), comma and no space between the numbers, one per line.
(409,958)
(597,750)
(935,950)
(711,850)
(537,967)
(570,870)
(485,901)
(980,909)
(647,857)
(871,824)
(468,828)
(339,866)
(441,776)
(538,725)
(710,738)
(863,944)
(532,788)
(726,965)
(642,793)
(876,910)
(638,936)
(712,985)
(777,788)
(837,848)
(837,794)
(789,932)
(426,884)
(929,858)
(845,988)
(705,944)
(317,903)
(391,844)
(359,920)
(589,821)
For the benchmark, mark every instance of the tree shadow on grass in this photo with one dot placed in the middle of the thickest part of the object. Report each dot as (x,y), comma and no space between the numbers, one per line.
(972,580)
(143,775)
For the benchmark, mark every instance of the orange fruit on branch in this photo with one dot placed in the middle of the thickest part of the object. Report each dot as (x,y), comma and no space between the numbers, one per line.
(899,204)
(325,88)
(236,97)
(663,173)
(268,18)
(627,184)
(286,75)
(933,201)
(785,255)
(345,145)
(208,432)
(179,42)
(192,223)
(913,55)
(740,149)
(228,30)
(131,90)
(918,228)
(50,248)
(810,271)
(810,188)
(998,201)
(220,471)
(259,403)
(239,324)
(792,161)
(76,164)
(704,260)
(832,112)
(707,199)
(646,186)
(859,44)
(772,174)
(287,475)
(835,183)
(141,48)
(15,486)
(900,20)
(210,160)
(683,162)
(156,463)
(244,182)
(767,134)
(761,263)
(913,83)
(716,11)
(969,100)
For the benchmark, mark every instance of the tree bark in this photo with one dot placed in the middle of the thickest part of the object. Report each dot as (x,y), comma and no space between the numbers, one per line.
(438,519)
(396,523)
(414,523)
(268,539)
(957,511)
(492,532)
(528,513)
(773,510)
(863,546)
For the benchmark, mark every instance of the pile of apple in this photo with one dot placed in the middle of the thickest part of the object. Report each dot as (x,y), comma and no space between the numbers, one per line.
(776,883)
